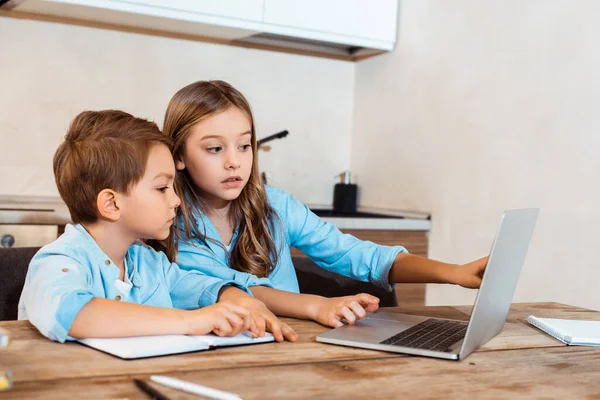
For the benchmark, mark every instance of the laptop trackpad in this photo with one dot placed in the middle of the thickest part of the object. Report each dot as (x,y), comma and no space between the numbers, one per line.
(375,328)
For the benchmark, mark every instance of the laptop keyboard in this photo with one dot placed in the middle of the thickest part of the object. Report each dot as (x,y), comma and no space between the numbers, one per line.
(432,334)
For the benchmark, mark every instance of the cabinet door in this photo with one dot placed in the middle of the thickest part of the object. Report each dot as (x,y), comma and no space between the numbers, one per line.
(28,235)
(251,10)
(370,19)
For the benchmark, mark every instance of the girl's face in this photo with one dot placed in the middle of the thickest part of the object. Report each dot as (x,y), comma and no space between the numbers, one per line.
(218,156)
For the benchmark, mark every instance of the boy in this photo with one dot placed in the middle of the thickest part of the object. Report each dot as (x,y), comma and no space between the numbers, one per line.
(115,174)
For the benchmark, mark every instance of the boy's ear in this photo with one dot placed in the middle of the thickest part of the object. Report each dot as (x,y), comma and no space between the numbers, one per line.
(106,202)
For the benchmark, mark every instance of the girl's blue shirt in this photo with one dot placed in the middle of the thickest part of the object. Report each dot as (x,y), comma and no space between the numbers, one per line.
(299,227)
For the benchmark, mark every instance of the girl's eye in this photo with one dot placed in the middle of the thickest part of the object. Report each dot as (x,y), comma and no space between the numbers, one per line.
(245,147)
(163,189)
(214,149)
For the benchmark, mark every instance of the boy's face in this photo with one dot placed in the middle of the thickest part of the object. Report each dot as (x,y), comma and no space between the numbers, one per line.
(218,156)
(147,212)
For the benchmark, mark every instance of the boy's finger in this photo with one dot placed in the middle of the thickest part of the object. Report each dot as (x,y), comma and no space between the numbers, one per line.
(250,325)
(275,328)
(237,324)
(237,309)
(222,327)
(261,325)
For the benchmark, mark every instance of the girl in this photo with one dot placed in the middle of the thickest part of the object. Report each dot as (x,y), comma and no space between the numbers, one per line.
(233,227)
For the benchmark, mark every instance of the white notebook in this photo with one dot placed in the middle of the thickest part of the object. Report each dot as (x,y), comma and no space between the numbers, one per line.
(569,331)
(151,346)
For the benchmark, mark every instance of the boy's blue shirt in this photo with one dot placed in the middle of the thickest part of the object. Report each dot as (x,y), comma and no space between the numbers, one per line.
(299,227)
(69,272)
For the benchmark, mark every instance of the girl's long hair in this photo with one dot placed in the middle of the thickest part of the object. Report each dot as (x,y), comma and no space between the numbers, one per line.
(254,251)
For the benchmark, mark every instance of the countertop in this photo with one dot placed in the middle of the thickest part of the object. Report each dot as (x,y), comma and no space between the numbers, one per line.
(34,210)
(50,210)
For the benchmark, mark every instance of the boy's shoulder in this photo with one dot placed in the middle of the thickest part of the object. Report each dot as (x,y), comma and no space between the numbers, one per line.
(72,243)
(144,254)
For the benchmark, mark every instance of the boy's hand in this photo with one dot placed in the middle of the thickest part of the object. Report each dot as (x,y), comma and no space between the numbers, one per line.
(331,311)
(470,275)
(266,320)
(222,319)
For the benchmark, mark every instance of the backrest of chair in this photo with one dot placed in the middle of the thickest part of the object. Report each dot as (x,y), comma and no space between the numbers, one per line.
(13,270)
(316,280)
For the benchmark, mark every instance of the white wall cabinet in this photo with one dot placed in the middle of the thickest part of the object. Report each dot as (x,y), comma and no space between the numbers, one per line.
(249,10)
(347,21)
(339,28)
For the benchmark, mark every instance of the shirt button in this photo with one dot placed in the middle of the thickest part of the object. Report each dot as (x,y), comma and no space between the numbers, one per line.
(118,298)
(65,270)
(107,262)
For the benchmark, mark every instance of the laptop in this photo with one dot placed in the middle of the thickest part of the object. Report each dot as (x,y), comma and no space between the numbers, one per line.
(445,338)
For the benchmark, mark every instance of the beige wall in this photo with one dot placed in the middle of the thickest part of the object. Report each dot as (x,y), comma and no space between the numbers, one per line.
(486,106)
(50,72)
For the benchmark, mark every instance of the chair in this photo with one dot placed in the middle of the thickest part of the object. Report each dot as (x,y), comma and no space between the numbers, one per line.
(14,262)
(316,280)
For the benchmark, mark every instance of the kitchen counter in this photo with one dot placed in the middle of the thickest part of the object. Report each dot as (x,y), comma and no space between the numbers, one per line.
(33,210)
(50,210)
(375,219)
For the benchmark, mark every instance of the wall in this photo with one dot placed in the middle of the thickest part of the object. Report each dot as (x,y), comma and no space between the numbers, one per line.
(487,106)
(49,72)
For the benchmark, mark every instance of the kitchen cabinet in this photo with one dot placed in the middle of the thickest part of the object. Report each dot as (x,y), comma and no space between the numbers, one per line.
(351,20)
(25,235)
(341,29)
(249,10)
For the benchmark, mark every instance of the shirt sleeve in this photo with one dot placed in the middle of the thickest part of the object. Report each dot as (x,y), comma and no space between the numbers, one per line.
(56,289)
(335,251)
(192,257)
(190,289)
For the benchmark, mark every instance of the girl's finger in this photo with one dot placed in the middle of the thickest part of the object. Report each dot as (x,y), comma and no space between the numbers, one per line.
(335,323)
(349,315)
(357,309)
(288,333)
(366,299)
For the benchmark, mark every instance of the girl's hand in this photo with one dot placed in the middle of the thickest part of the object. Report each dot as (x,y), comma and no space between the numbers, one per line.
(331,311)
(222,319)
(469,275)
(266,320)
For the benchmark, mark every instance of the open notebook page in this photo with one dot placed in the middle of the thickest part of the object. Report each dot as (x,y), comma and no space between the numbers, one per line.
(150,346)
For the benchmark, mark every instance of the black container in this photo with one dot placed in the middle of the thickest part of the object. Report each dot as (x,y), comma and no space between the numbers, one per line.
(344,197)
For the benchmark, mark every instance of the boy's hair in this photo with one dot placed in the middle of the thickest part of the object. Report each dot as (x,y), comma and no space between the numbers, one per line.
(102,150)
(254,251)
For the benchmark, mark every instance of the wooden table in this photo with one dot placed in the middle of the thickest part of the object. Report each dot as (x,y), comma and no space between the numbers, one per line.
(521,362)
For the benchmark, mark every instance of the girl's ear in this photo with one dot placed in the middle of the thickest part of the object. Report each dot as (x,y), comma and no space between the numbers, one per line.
(180,165)
(106,202)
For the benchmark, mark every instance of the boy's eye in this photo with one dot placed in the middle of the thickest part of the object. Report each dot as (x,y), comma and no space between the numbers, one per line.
(163,189)
(215,149)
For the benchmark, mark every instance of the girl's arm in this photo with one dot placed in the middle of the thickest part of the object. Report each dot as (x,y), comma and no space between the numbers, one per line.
(409,268)
(110,318)
(363,260)
(326,311)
